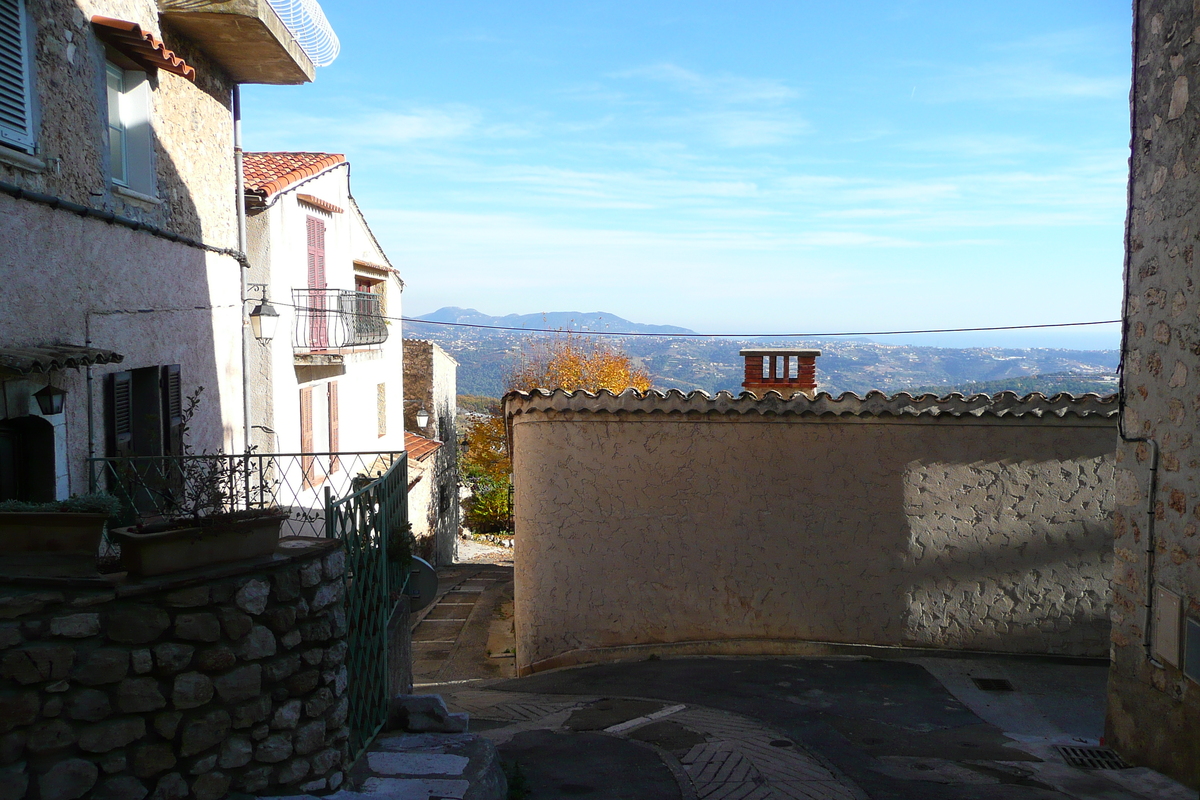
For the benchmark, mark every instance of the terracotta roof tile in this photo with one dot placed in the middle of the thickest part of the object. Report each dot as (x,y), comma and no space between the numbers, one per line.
(419,448)
(141,46)
(872,404)
(267,174)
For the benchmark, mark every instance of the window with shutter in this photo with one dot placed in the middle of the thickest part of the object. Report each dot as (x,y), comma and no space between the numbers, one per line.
(16,100)
(333,425)
(120,414)
(307,462)
(318,308)
(172,414)
(381,408)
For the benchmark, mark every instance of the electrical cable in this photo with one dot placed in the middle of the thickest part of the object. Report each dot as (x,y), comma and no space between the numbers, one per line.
(810,335)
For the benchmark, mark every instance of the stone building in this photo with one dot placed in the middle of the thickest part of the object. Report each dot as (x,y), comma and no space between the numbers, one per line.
(119,227)
(1154,684)
(431,385)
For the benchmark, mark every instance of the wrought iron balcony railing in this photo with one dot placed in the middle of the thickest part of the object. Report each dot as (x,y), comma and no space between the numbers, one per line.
(328,319)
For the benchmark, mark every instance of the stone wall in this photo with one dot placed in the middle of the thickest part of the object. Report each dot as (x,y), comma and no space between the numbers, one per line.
(184,688)
(751,526)
(1154,709)
(431,381)
(192,125)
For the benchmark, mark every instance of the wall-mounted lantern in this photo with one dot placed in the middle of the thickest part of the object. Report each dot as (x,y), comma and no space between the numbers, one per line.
(263,321)
(50,400)
(422,418)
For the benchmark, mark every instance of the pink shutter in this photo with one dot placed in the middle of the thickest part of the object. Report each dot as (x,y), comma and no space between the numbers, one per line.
(333,425)
(317,300)
(307,462)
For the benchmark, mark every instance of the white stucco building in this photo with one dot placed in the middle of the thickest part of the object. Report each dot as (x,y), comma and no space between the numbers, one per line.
(331,378)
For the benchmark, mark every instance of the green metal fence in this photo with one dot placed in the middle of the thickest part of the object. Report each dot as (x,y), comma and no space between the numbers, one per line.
(372,523)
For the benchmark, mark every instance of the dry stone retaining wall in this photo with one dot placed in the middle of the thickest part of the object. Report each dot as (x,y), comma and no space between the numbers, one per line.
(180,689)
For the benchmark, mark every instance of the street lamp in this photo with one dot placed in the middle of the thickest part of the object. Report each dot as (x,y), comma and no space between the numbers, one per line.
(50,400)
(263,320)
(422,418)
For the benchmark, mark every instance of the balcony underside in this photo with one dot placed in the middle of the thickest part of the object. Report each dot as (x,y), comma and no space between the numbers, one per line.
(245,37)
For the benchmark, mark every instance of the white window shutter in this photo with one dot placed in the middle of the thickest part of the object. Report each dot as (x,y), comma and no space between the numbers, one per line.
(16,123)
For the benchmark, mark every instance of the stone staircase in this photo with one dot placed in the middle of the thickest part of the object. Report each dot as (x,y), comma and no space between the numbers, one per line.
(426,755)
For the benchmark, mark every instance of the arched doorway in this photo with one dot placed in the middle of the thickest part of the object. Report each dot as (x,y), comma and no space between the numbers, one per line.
(27,459)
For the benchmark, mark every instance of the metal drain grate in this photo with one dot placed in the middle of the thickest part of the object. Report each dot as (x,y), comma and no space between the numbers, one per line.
(993,684)
(1091,757)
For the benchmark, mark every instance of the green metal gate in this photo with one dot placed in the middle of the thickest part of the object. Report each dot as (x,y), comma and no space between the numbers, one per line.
(372,523)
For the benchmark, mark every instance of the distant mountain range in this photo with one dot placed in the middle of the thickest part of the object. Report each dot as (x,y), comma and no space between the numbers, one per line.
(713,365)
(554,320)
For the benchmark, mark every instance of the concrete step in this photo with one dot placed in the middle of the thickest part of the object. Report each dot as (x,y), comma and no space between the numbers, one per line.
(424,766)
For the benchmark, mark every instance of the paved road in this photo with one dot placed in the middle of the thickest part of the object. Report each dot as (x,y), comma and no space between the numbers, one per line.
(894,728)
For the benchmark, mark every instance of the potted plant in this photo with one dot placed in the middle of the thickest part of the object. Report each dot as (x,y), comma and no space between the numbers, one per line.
(54,539)
(72,527)
(199,521)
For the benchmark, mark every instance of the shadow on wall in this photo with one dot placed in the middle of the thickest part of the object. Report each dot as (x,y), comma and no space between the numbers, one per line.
(159,303)
(991,537)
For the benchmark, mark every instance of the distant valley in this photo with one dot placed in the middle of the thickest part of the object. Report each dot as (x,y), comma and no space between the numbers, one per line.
(714,364)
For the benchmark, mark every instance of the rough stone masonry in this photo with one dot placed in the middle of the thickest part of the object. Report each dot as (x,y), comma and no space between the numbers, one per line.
(193,688)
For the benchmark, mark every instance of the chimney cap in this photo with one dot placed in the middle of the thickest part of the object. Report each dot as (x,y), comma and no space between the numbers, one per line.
(779,351)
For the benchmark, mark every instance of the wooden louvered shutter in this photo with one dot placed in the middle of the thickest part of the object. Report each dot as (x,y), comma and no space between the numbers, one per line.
(16,118)
(333,425)
(318,323)
(307,462)
(120,414)
(172,411)
(316,253)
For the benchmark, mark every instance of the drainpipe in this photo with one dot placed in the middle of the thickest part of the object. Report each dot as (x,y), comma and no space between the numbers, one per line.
(1152,489)
(91,423)
(245,263)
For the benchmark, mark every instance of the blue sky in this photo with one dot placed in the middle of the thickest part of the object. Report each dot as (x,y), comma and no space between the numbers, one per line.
(736,167)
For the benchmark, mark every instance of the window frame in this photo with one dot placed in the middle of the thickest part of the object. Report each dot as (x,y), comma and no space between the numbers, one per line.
(19,138)
(113,72)
(133,107)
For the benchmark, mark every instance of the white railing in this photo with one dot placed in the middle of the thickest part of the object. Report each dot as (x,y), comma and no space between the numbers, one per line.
(306,21)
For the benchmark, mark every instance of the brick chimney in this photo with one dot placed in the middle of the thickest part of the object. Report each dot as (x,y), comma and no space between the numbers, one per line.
(782,370)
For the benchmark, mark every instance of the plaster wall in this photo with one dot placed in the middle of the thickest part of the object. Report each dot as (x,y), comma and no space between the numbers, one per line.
(644,529)
(1154,709)
(156,302)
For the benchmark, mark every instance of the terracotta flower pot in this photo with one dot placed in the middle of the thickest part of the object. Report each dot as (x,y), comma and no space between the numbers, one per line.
(155,550)
(62,532)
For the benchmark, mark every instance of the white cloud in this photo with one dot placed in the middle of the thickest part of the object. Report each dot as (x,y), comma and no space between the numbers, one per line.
(723,88)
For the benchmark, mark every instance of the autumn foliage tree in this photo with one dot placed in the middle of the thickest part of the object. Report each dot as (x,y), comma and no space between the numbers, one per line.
(575,361)
(567,360)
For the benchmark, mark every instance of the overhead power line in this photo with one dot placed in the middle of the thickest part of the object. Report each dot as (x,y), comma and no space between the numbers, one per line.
(808,335)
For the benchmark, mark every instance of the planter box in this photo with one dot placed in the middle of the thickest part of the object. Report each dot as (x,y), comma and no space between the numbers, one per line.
(151,552)
(67,533)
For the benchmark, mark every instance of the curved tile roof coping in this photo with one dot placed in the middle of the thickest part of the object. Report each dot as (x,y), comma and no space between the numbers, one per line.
(141,46)
(873,404)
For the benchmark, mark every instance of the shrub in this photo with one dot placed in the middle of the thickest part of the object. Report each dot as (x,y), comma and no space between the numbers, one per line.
(95,503)
(489,509)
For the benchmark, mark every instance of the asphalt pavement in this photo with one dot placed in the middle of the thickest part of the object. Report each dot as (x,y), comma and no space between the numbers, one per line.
(903,725)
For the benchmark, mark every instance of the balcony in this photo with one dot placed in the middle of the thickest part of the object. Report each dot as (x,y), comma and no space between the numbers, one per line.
(245,37)
(329,320)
